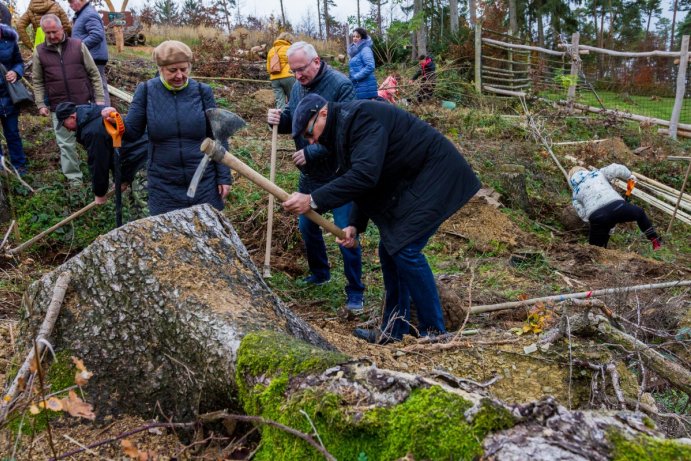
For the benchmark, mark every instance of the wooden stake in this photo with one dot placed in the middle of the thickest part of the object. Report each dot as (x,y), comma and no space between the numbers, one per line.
(681,194)
(270,212)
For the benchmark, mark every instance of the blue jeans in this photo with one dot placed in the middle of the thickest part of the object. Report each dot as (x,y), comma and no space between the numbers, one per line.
(10,126)
(317,260)
(408,275)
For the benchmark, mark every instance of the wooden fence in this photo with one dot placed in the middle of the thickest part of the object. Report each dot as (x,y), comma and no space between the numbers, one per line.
(509,70)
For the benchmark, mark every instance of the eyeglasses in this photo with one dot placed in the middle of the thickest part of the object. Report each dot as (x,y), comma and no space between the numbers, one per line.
(303,68)
(310,129)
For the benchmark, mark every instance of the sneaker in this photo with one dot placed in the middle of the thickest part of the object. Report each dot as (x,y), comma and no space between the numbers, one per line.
(657,243)
(372,336)
(355,303)
(314,280)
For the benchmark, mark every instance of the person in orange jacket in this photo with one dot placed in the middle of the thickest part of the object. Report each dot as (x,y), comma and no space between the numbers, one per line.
(36,10)
(282,78)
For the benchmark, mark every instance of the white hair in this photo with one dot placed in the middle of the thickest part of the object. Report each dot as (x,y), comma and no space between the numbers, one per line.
(50,18)
(307,48)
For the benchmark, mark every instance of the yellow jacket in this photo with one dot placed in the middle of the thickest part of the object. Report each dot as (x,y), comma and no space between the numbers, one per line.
(280,47)
(36,10)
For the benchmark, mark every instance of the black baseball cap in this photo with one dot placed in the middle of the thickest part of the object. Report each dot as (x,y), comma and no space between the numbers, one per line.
(64,110)
(307,107)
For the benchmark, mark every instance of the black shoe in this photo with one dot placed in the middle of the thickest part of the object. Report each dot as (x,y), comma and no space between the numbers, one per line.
(372,336)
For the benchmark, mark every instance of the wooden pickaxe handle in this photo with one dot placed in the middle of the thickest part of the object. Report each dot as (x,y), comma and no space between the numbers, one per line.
(74,215)
(220,155)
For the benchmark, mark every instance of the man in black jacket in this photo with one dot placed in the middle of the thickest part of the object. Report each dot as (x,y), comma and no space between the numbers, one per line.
(403,175)
(87,122)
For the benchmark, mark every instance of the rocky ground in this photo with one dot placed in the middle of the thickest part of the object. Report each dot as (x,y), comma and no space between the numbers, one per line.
(484,254)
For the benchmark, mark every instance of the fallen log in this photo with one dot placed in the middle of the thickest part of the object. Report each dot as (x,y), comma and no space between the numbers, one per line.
(158,309)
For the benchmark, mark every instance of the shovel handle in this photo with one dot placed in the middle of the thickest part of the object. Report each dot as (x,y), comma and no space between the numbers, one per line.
(115,128)
(220,155)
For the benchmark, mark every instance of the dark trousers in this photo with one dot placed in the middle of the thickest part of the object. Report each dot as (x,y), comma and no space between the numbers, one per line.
(317,260)
(408,275)
(604,219)
(10,126)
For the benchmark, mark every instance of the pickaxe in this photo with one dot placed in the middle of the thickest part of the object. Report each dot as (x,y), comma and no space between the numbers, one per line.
(223,124)
(223,119)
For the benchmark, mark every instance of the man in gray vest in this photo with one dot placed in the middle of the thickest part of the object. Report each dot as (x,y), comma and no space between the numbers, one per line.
(63,70)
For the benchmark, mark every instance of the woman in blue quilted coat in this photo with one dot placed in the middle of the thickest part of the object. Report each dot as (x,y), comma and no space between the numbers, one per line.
(9,114)
(362,65)
(171,107)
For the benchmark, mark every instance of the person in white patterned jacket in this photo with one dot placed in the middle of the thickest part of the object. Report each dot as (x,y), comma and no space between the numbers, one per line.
(597,203)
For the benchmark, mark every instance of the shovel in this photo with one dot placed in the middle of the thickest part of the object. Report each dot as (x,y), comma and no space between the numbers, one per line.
(116,129)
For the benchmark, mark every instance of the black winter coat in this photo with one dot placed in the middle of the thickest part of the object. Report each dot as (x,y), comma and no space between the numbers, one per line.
(400,172)
(177,126)
(92,134)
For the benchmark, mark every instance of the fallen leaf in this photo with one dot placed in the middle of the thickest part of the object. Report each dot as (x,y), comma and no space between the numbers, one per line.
(78,363)
(75,406)
(53,403)
(129,448)
(81,378)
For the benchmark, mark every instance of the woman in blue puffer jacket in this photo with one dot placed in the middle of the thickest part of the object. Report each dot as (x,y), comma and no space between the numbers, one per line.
(9,114)
(362,65)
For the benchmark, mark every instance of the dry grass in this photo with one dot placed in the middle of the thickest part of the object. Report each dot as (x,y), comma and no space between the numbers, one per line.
(243,38)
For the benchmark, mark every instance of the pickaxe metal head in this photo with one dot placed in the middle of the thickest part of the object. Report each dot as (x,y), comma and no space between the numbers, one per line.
(224,124)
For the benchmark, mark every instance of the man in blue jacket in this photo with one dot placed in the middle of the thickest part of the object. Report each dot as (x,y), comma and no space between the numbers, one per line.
(87,122)
(403,175)
(317,167)
(87,26)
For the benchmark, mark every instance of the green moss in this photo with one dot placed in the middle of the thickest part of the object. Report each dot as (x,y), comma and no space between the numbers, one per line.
(60,376)
(646,448)
(430,423)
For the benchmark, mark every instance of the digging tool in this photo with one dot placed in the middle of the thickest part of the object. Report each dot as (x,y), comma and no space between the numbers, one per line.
(270,212)
(218,154)
(74,215)
(116,129)
(630,184)
(223,124)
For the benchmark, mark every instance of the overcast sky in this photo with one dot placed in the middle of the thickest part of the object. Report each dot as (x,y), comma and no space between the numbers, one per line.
(295,10)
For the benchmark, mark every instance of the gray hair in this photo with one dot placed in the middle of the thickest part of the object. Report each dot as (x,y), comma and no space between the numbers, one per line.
(51,18)
(307,48)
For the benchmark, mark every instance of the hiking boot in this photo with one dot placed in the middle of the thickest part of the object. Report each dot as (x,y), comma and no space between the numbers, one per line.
(355,303)
(314,280)
(372,336)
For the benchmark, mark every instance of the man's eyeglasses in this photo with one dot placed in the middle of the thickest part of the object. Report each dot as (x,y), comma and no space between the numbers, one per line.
(310,128)
(303,68)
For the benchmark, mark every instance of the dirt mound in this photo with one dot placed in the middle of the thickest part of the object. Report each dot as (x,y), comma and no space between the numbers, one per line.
(612,150)
(482,227)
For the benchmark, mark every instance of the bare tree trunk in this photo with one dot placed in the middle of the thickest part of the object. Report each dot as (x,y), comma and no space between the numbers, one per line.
(358,13)
(453,16)
(319,21)
(472,11)
(513,18)
(421,33)
(327,22)
(674,22)
(283,14)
